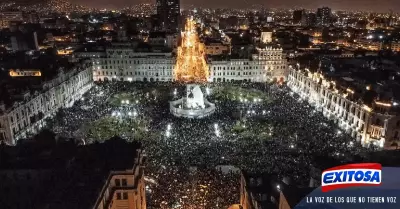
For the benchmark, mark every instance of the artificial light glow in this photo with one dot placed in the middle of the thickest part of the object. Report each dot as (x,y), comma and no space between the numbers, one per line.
(383,104)
(350,91)
(191,65)
(365,107)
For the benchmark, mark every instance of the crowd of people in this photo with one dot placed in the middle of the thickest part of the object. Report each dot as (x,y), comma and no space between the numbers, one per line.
(281,135)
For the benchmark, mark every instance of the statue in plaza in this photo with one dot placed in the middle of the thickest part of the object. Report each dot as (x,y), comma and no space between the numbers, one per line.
(194,97)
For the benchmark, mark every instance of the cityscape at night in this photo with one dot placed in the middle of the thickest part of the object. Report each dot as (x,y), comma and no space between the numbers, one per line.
(193,105)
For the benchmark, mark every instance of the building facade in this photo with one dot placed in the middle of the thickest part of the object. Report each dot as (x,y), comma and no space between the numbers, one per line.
(376,124)
(217,48)
(27,116)
(395,46)
(124,189)
(6,17)
(298,16)
(124,64)
(324,16)
(168,14)
(370,45)
(266,37)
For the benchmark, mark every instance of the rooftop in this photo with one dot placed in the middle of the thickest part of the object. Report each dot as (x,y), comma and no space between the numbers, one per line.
(16,88)
(83,172)
(370,81)
(89,172)
(90,48)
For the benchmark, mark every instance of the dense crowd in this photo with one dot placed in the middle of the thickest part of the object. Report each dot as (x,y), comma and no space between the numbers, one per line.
(281,135)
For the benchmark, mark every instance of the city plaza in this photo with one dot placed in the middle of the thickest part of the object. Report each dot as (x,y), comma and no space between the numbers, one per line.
(256,127)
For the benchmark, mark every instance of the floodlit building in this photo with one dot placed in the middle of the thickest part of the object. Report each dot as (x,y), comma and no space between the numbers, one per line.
(28,109)
(130,63)
(266,36)
(363,113)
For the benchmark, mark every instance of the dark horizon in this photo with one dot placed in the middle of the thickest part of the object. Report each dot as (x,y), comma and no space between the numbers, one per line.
(364,5)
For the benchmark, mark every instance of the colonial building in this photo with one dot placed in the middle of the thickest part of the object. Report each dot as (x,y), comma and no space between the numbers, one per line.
(375,122)
(27,112)
(126,63)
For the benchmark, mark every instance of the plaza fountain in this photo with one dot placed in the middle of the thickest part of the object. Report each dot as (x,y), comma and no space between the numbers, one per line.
(193,105)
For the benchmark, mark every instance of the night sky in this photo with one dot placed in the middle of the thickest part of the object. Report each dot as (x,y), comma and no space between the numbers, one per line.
(376,5)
